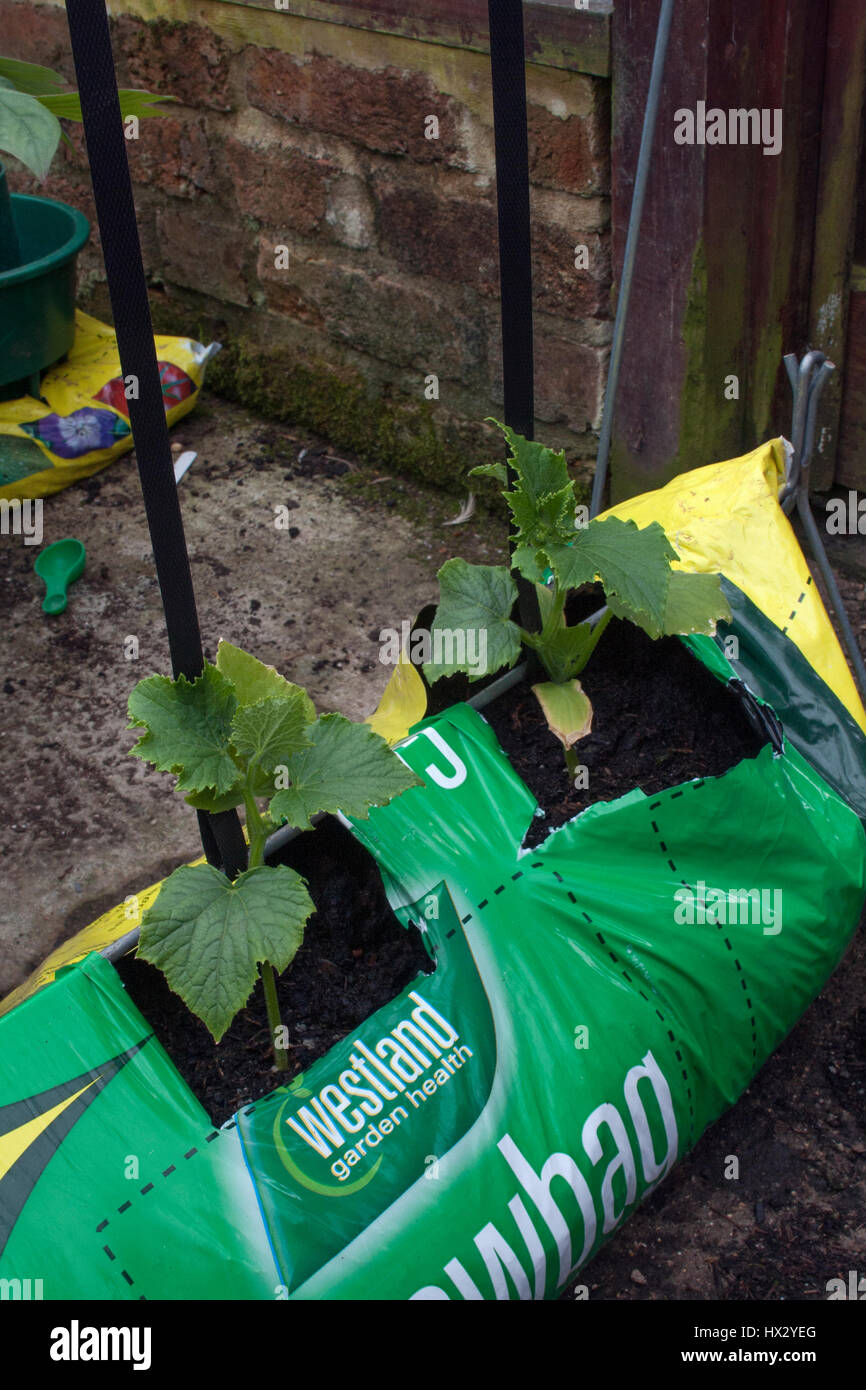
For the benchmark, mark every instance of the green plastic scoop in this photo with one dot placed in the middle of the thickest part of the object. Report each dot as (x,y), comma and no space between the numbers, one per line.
(59,565)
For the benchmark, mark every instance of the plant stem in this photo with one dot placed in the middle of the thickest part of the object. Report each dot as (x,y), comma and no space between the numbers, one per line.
(596,635)
(269,982)
(571,763)
(258,833)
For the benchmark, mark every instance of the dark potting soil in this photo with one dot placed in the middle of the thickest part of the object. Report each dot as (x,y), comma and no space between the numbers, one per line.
(659,719)
(355,957)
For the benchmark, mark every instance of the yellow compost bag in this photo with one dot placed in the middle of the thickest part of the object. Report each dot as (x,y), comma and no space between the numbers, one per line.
(82,422)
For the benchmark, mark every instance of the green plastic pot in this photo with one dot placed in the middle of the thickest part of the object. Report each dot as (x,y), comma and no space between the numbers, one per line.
(37,298)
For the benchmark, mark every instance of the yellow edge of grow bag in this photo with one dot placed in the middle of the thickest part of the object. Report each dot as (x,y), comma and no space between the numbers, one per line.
(111,926)
(727,517)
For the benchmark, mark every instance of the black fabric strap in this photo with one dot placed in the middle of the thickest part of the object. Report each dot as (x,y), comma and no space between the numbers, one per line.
(127,287)
(508,77)
(508,74)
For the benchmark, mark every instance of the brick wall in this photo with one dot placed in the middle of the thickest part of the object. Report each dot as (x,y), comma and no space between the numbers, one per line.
(311,136)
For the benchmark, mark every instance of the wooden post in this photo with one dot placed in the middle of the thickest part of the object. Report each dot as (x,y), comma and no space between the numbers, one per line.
(844,91)
(722,283)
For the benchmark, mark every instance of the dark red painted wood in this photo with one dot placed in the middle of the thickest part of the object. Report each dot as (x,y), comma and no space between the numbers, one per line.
(746,217)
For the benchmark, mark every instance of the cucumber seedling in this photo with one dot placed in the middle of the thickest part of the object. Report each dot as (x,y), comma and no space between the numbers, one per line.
(558,551)
(239,734)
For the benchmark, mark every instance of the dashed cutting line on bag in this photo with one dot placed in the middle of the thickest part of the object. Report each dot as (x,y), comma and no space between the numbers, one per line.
(664,849)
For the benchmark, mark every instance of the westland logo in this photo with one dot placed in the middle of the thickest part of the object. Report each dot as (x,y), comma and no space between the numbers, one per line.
(734,906)
(349,1118)
(737,126)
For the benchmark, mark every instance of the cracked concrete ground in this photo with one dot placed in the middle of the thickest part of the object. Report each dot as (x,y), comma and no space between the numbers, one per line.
(85,824)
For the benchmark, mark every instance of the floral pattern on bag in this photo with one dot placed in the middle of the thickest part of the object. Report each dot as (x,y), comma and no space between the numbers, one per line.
(176,386)
(82,432)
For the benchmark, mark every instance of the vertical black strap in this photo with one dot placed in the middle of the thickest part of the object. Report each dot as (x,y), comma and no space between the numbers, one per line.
(508,73)
(127,287)
(508,76)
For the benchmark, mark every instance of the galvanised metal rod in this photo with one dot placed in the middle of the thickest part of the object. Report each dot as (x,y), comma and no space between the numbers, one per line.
(814,536)
(634,221)
(807,389)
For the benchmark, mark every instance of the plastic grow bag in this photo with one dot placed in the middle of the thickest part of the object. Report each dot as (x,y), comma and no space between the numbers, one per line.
(82,422)
(596,1003)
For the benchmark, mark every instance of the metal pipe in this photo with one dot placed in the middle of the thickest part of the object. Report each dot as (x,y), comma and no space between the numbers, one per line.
(634,221)
(817,545)
(807,390)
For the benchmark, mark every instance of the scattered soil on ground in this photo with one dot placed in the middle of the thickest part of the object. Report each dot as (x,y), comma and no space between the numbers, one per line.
(791,1215)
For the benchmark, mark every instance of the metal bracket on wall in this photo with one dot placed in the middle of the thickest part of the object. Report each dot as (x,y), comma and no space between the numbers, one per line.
(807,380)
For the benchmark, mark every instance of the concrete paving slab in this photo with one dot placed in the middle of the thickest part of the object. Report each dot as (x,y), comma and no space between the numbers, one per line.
(85,824)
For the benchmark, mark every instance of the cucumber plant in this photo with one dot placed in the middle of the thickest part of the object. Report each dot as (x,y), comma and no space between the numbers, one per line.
(238,734)
(558,551)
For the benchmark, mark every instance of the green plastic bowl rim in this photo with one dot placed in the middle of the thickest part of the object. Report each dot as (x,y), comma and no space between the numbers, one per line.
(32,269)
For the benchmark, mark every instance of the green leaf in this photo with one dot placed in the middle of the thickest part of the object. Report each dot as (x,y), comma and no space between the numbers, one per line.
(566,709)
(346,768)
(259,781)
(542,520)
(269,731)
(491,470)
(695,603)
(540,471)
(188,727)
(132,103)
(209,935)
(563,650)
(530,561)
(30,78)
(476,600)
(27,131)
(633,566)
(208,800)
(546,597)
(253,680)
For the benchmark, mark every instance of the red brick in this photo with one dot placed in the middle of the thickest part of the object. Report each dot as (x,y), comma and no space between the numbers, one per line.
(558,287)
(569,382)
(64,186)
(187,61)
(173,154)
(379,315)
(287,290)
(383,110)
(280,187)
(37,34)
(571,154)
(201,253)
(454,239)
